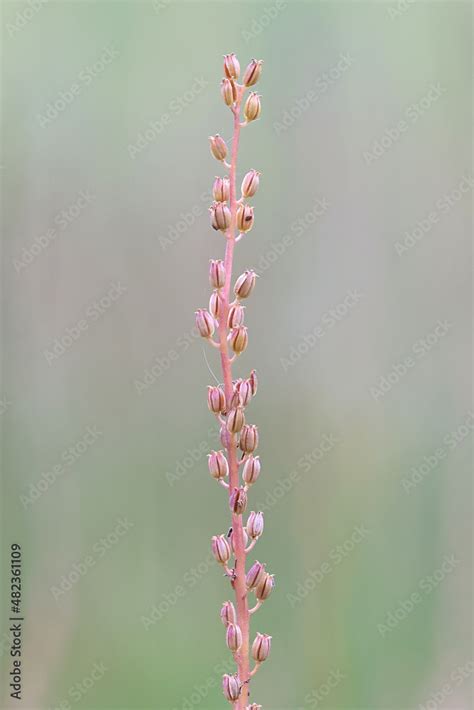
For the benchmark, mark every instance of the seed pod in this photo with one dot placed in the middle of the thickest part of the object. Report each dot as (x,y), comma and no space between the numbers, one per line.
(216,304)
(233,637)
(252,73)
(231,66)
(232,541)
(218,147)
(220,216)
(231,687)
(265,587)
(235,316)
(215,399)
(205,323)
(228,613)
(261,647)
(253,382)
(251,470)
(224,436)
(228,91)
(249,438)
(245,391)
(221,549)
(245,284)
(234,400)
(217,273)
(218,465)
(221,190)
(254,575)
(253,107)
(244,218)
(239,339)
(250,183)
(235,420)
(238,501)
(255,524)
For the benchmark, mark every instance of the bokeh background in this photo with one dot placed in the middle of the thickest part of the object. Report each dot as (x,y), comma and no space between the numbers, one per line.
(360,330)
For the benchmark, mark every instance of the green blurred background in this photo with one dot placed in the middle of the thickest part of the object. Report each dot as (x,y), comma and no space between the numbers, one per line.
(359,329)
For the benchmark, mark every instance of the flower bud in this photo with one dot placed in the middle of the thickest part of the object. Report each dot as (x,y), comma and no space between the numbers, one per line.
(255,524)
(218,147)
(235,316)
(221,549)
(228,91)
(205,323)
(228,613)
(217,273)
(231,687)
(235,420)
(244,218)
(251,470)
(234,400)
(233,637)
(231,66)
(216,304)
(232,541)
(249,438)
(245,391)
(224,436)
(254,575)
(239,339)
(245,284)
(261,647)
(215,399)
(252,107)
(250,183)
(265,587)
(252,73)
(221,189)
(238,501)
(218,465)
(253,382)
(220,216)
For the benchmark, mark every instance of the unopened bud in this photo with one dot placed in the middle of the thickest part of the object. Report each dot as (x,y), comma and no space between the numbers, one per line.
(216,304)
(252,107)
(231,687)
(218,465)
(235,316)
(253,382)
(231,66)
(233,637)
(238,501)
(245,284)
(254,575)
(255,524)
(252,73)
(215,399)
(228,613)
(244,218)
(249,438)
(235,420)
(239,339)
(224,436)
(221,189)
(250,183)
(218,147)
(228,91)
(261,647)
(217,273)
(221,549)
(205,323)
(251,470)
(265,587)
(220,216)
(245,391)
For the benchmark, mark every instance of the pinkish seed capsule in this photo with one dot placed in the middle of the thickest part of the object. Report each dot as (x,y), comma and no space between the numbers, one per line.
(218,465)
(221,189)
(245,391)
(215,399)
(235,420)
(231,66)
(217,273)
(224,436)
(250,183)
(216,304)
(220,216)
(235,316)
(253,107)
(228,91)
(239,339)
(238,501)
(249,438)
(218,147)
(255,524)
(254,575)
(233,637)
(228,613)
(265,587)
(251,470)
(253,381)
(221,549)
(244,218)
(252,73)
(245,284)
(261,647)
(204,323)
(231,687)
